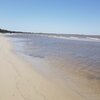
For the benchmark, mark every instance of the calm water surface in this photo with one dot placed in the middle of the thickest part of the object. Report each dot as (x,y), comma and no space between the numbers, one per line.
(85,54)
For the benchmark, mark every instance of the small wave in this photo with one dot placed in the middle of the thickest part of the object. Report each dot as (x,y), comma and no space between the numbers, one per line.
(75,38)
(90,38)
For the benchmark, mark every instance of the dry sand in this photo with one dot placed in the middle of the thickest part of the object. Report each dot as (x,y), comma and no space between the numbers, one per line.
(19,80)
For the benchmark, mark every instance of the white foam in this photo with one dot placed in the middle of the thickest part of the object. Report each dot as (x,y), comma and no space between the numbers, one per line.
(75,38)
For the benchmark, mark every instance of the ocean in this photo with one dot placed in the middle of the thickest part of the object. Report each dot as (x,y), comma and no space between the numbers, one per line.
(68,57)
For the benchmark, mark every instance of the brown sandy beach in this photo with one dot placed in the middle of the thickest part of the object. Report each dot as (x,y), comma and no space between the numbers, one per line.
(19,80)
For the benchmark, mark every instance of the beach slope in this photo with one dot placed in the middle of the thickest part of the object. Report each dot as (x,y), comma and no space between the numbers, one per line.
(20,81)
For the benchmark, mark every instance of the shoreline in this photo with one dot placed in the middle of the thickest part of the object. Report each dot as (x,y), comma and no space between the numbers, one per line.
(20,81)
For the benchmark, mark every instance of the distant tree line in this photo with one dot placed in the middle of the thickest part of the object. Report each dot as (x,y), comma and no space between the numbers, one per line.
(4,31)
(8,31)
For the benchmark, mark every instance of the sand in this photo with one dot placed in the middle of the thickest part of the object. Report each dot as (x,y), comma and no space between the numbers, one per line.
(19,80)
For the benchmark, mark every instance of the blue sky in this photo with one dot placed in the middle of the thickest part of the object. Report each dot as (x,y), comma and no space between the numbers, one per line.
(53,16)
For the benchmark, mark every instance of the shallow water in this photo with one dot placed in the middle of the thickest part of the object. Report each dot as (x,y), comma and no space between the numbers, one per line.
(75,62)
(83,52)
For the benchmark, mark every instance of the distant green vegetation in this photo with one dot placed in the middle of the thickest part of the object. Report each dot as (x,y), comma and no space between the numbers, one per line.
(8,31)
(4,31)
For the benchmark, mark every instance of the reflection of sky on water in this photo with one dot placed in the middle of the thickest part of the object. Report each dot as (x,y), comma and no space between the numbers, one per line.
(85,52)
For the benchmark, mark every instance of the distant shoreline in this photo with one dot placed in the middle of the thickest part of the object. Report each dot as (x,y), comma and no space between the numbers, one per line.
(4,31)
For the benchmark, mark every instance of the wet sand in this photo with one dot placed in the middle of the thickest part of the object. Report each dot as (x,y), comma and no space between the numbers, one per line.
(81,80)
(20,81)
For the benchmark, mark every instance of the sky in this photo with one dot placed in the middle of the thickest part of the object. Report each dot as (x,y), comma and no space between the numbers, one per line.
(51,16)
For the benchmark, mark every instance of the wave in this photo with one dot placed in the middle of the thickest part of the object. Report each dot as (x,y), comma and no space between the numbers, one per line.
(75,38)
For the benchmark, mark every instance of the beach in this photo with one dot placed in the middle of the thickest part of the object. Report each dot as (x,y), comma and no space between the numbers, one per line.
(20,80)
